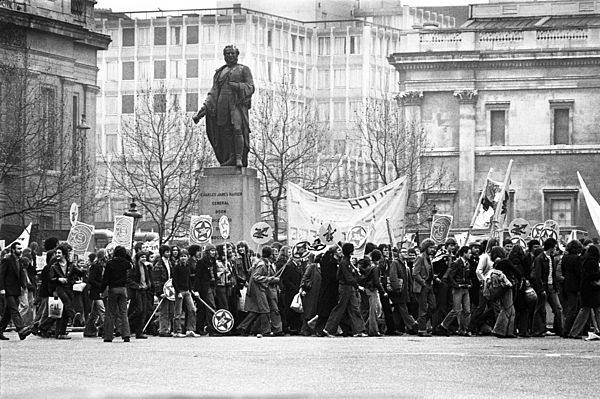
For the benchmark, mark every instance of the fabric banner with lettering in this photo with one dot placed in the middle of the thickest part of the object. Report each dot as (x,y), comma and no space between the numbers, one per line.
(307,212)
(591,202)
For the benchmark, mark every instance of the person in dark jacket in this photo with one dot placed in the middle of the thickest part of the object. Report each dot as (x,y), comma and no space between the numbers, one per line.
(205,285)
(523,309)
(545,284)
(139,282)
(401,290)
(96,317)
(185,310)
(12,281)
(571,271)
(348,299)
(590,292)
(291,276)
(459,279)
(510,276)
(384,268)
(328,291)
(115,279)
(371,281)
(161,273)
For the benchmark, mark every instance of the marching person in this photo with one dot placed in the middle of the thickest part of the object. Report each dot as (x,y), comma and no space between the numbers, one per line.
(545,284)
(371,281)
(205,284)
(348,298)
(590,293)
(485,309)
(509,277)
(422,285)
(257,301)
(401,289)
(459,279)
(115,279)
(139,281)
(291,277)
(161,273)
(328,291)
(13,281)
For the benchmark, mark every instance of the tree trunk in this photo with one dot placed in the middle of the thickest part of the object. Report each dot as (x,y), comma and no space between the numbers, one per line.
(275,205)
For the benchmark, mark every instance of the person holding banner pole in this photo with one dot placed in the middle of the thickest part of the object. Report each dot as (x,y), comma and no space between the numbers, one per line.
(205,284)
(423,280)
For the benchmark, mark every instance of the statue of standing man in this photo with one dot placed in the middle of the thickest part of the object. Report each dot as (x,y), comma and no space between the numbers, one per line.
(226,110)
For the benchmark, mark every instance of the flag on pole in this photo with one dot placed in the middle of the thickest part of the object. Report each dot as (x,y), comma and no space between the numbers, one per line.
(489,202)
(592,204)
(497,225)
(24,237)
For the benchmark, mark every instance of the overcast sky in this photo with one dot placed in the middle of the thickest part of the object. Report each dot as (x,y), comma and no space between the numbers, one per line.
(143,5)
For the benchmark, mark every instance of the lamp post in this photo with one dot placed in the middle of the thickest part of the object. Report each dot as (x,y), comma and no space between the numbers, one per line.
(79,157)
(136,215)
(431,215)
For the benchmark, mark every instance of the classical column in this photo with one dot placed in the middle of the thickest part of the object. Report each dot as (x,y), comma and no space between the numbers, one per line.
(466,155)
(411,101)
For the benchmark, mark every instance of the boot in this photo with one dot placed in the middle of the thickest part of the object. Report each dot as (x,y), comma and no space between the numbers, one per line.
(239,149)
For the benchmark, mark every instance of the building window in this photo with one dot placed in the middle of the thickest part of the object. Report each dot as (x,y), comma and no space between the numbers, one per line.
(111,105)
(127,104)
(339,111)
(443,201)
(175,35)
(143,36)
(224,33)
(323,79)
(324,46)
(339,78)
(112,143)
(497,127)
(176,71)
(160,103)
(112,71)
(160,36)
(128,70)
(192,68)
(270,38)
(239,33)
(160,69)
(191,36)
(128,37)
(144,70)
(561,206)
(209,34)
(354,44)
(561,123)
(294,40)
(300,44)
(355,78)
(323,111)
(191,102)
(339,45)
(339,146)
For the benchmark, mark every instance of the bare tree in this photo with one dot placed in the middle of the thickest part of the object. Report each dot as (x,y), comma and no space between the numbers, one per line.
(397,148)
(285,146)
(44,159)
(161,160)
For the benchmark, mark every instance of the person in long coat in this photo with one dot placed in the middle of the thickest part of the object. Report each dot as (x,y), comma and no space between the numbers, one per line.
(309,289)
(257,302)
(590,292)
(328,291)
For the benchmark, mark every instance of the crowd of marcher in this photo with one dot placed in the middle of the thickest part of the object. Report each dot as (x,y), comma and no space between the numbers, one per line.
(484,288)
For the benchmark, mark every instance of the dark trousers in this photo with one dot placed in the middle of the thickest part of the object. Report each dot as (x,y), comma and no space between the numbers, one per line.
(66,296)
(11,311)
(203,314)
(390,324)
(260,321)
(571,304)
(483,313)
(539,315)
(348,302)
(443,299)
(426,301)
(117,311)
(137,310)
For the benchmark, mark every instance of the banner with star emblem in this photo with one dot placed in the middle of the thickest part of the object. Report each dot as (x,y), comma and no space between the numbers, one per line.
(201,230)
(80,236)
(123,231)
(308,212)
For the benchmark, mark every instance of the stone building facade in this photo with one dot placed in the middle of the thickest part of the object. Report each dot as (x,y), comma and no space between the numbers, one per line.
(518,80)
(53,44)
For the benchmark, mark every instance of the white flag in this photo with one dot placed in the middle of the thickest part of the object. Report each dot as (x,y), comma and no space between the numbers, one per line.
(592,204)
(24,237)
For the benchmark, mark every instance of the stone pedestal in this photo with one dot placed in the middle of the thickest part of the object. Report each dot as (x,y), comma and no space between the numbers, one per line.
(234,192)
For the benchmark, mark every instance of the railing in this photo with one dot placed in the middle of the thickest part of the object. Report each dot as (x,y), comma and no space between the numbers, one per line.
(502,36)
(441,37)
(562,34)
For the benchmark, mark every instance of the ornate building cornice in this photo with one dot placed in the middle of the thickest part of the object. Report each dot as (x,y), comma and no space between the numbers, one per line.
(466,96)
(414,97)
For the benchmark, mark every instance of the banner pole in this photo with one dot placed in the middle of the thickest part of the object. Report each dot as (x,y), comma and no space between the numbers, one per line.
(493,229)
(152,315)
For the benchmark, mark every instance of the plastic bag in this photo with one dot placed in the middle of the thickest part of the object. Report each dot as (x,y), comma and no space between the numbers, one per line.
(296,305)
(55,308)
(242,298)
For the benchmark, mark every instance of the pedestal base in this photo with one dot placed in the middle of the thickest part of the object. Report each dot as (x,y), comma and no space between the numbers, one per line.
(234,192)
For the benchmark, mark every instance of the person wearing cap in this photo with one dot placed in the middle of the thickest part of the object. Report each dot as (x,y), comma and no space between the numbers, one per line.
(205,285)
(348,298)
(422,285)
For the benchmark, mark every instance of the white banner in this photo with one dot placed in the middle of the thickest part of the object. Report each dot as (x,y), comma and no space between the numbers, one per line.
(592,204)
(23,238)
(123,231)
(307,212)
(201,229)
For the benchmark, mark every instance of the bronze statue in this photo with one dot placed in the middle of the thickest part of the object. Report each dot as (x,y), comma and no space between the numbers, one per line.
(226,110)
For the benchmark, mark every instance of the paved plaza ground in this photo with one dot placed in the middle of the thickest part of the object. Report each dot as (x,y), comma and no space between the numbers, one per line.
(299,367)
